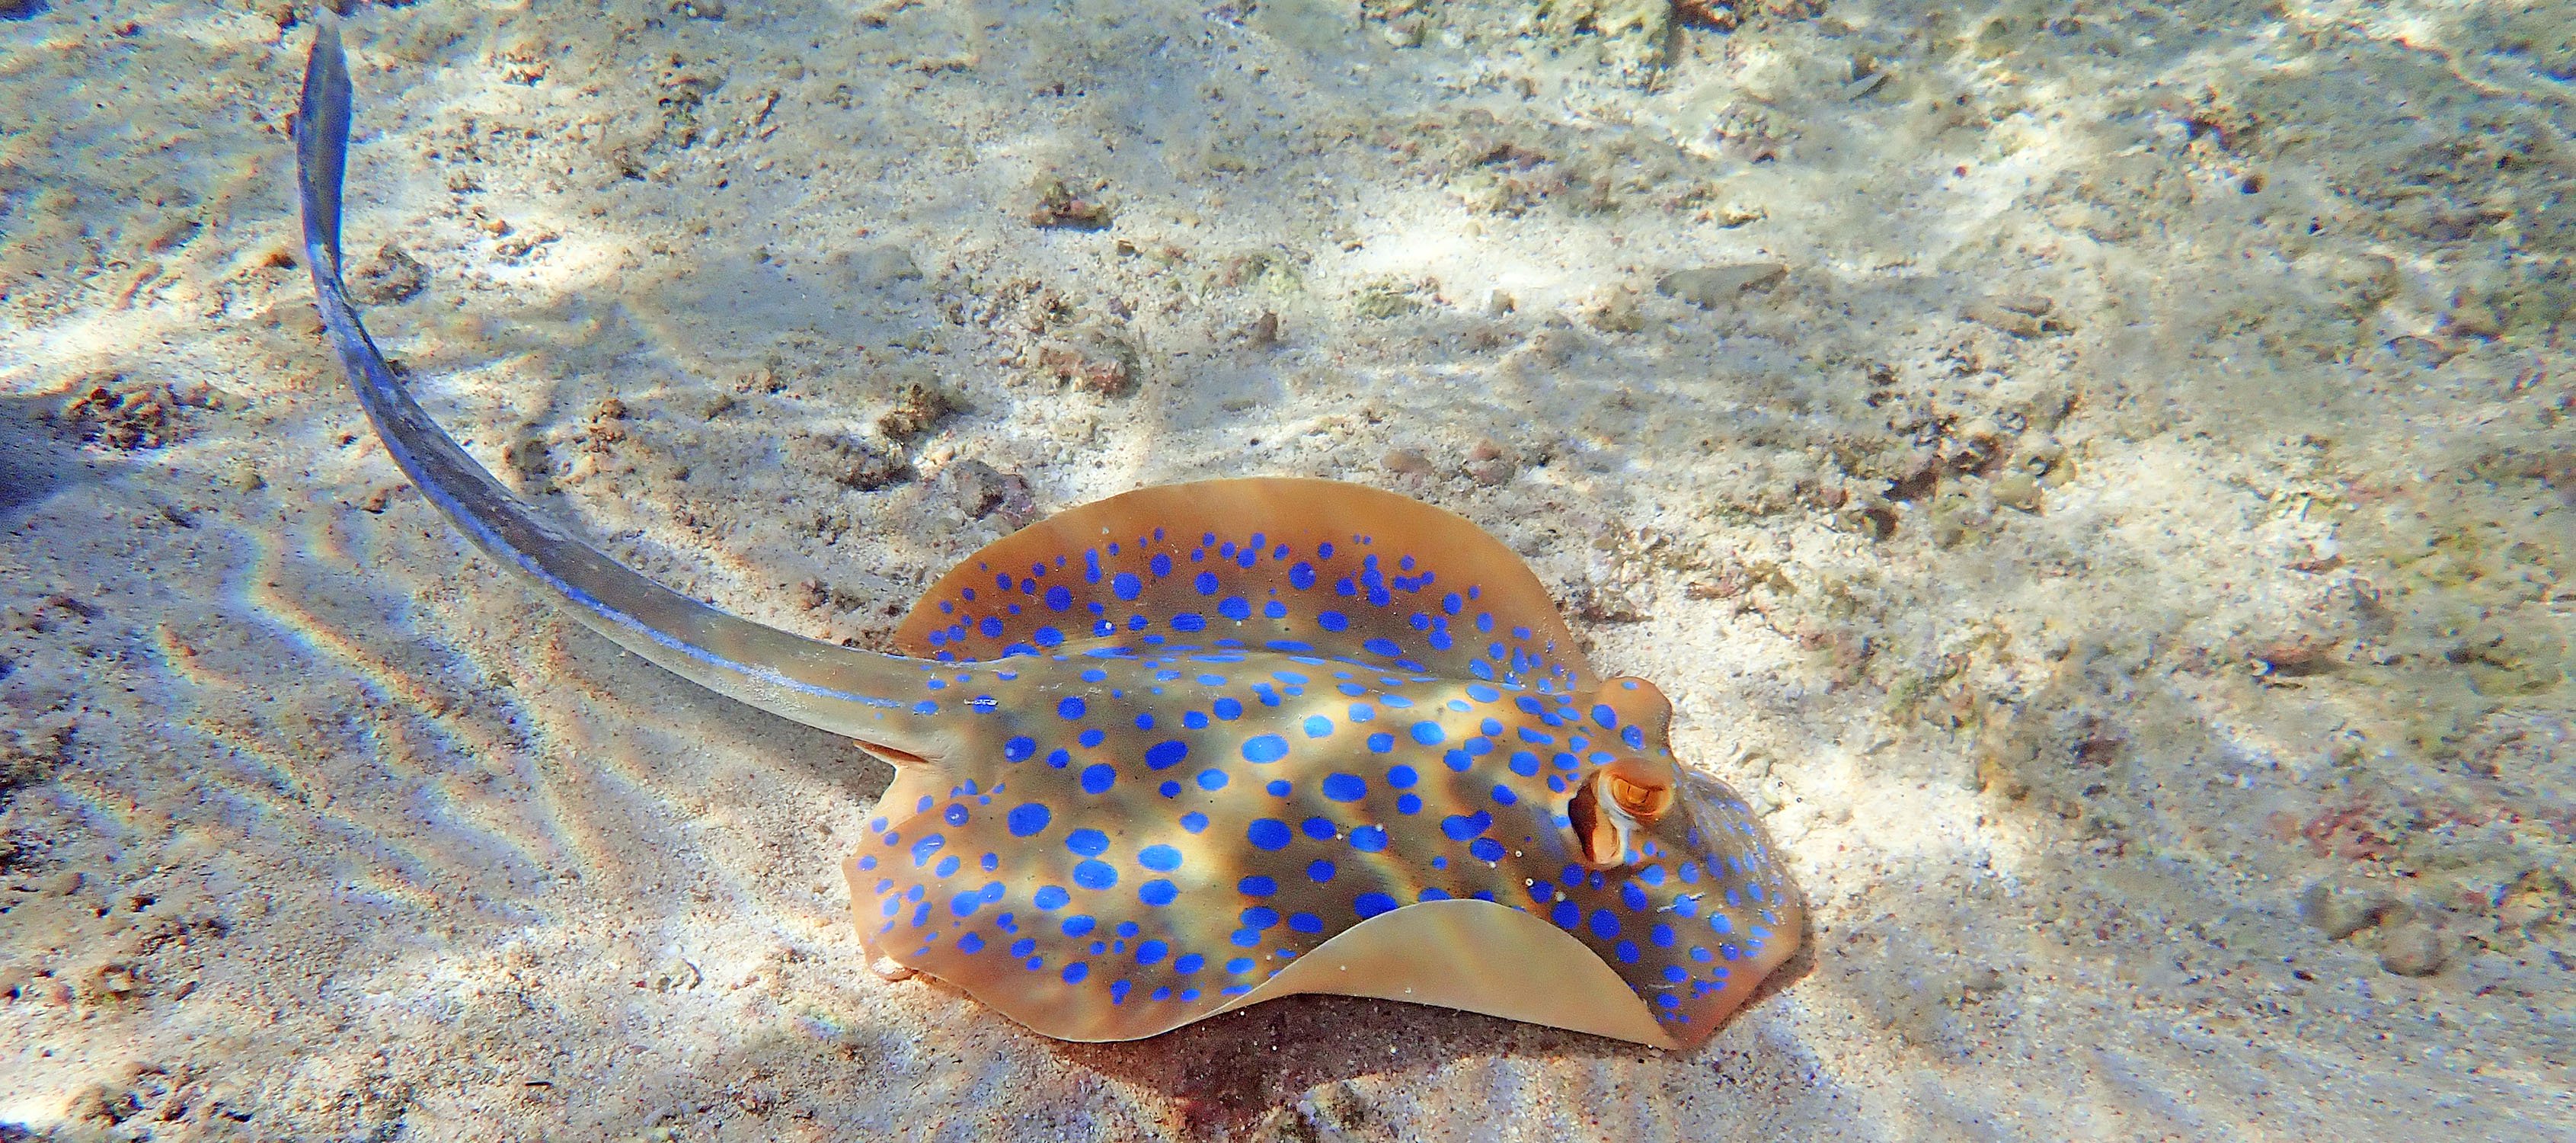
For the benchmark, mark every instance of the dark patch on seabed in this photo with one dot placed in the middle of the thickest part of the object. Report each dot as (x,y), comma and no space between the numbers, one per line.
(34,463)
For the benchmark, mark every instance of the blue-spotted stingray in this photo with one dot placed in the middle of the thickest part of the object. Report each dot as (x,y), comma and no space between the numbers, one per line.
(1194,747)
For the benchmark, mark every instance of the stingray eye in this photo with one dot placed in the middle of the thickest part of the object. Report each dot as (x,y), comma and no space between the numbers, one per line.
(1637,791)
(1618,799)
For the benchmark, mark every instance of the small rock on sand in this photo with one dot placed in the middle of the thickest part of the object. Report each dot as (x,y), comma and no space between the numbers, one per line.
(983,490)
(2339,910)
(393,275)
(1711,286)
(2412,949)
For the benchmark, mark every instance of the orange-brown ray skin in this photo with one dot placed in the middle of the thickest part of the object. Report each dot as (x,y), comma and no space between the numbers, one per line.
(1381,650)
(1209,910)
(1303,515)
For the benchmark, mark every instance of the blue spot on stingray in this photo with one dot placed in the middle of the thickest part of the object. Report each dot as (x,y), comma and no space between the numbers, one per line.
(1206,583)
(1162,755)
(1345,787)
(1159,858)
(1126,586)
(1460,827)
(991,627)
(954,815)
(1409,804)
(1151,951)
(1566,915)
(1627,952)
(971,943)
(1079,924)
(1226,708)
(1188,963)
(947,866)
(1371,904)
(1662,936)
(1051,897)
(1157,893)
(1332,620)
(1256,886)
(1098,777)
(1634,736)
(1239,965)
(1094,875)
(1212,779)
(1319,828)
(1087,842)
(1428,733)
(1260,917)
(1268,833)
(1320,871)
(1071,707)
(1059,598)
(1092,737)
(1265,748)
(1301,575)
(1019,749)
(1318,726)
(1193,821)
(1305,923)
(1604,924)
(1381,743)
(1235,607)
(1245,938)
(1401,777)
(1160,565)
(1189,621)
(1073,973)
(1485,849)
(1632,896)
(921,850)
(1277,788)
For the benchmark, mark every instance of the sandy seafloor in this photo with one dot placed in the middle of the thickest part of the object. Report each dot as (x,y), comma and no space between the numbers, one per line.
(2109,506)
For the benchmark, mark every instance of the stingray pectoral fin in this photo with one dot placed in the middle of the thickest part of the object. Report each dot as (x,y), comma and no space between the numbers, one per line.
(866,695)
(1288,563)
(1475,956)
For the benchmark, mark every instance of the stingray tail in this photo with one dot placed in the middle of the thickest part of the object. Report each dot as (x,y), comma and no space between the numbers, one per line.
(869,696)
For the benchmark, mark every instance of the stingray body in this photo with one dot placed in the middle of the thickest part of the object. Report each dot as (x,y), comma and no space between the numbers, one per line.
(1197,746)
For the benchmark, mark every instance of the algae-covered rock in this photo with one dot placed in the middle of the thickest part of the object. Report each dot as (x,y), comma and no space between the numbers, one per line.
(1632,37)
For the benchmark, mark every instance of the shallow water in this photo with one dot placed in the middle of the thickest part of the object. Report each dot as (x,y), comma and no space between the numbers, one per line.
(2099,483)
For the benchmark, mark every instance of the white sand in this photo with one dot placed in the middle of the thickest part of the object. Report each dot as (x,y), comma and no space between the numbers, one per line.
(323,829)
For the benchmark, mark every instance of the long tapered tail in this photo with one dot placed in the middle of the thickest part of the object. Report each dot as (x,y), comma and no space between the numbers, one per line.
(873,697)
